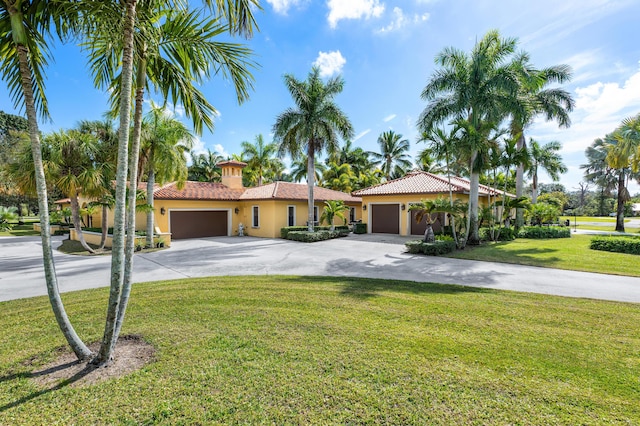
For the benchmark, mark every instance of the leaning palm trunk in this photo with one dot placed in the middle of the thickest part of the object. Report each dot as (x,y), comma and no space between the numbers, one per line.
(311,175)
(151,177)
(75,217)
(104,225)
(117,257)
(78,347)
(133,188)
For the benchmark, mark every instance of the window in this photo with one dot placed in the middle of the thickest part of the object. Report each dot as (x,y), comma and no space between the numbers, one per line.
(256,216)
(352,214)
(315,214)
(291,216)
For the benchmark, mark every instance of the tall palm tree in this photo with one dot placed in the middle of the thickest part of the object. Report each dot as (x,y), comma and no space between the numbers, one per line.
(536,98)
(598,171)
(204,166)
(261,158)
(313,125)
(477,90)
(23,54)
(393,157)
(547,158)
(299,170)
(165,141)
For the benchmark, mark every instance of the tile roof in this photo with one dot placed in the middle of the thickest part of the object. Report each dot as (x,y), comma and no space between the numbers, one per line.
(231,163)
(273,191)
(197,191)
(419,182)
(295,191)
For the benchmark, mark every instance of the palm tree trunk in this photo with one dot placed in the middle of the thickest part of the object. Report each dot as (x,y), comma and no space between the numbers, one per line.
(453,220)
(621,200)
(311,176)
(75,217)
(133,187)
(105,225)
(473,209)
(117,252)
(151,178)
(79,348)
(534,189)
(520,145)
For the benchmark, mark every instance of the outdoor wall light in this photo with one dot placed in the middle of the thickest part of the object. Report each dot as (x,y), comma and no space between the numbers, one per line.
(403,207)
(364,207)
(162,211)
(237,210)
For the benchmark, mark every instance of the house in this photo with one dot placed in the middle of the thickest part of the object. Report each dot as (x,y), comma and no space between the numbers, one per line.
(386,206)
(208,209)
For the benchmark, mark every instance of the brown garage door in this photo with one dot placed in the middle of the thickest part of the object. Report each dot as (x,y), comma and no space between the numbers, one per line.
(385,218)
(419,228)
(197,224)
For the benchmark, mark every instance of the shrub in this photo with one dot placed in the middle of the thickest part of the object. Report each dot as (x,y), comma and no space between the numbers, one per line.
(539,232)
(284,232)
(360,228)
(506,234)
(312,237)
(440,246)
(629,245)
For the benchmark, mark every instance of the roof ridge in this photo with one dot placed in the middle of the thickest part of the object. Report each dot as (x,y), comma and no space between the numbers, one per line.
(389,181)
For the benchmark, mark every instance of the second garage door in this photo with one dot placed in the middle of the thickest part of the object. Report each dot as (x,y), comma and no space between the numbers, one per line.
(385,218)
(198,224)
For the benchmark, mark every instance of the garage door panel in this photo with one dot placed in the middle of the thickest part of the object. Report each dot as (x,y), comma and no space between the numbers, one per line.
(385,218)
(198,224)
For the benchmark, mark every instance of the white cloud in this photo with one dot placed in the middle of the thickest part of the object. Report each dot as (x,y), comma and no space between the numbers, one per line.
(353,9)
(282,6)
(198,147)
(330,63)
(361,134)
(389,118)
(220,150)
(401,20)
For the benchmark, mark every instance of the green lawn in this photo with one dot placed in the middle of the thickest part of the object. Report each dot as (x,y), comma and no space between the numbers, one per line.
(606,223)
(20,231)
(563,253)
(290,350)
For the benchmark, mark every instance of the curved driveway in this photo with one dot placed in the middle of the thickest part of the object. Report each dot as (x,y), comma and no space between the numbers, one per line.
(374,256)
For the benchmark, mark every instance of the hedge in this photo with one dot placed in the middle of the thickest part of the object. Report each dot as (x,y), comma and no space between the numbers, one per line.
(284,232)
(431,249)
(539,232)
(629,245)
(360,228)
(312,237)
(506,234)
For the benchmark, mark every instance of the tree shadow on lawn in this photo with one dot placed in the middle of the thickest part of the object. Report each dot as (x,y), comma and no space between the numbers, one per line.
(525,256)
(366,288)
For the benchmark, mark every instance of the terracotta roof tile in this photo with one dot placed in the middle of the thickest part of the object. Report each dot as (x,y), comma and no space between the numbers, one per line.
(197,191)
(295,191)
(231,163)
(420,182)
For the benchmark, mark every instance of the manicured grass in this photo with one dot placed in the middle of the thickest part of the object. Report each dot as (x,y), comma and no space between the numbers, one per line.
(598,223)
(20,231)
(563,253)
(290,350)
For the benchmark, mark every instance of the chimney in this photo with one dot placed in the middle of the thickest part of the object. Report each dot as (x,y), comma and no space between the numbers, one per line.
(232,173)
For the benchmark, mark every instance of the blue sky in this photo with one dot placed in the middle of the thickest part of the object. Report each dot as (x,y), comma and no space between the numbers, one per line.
(385,49)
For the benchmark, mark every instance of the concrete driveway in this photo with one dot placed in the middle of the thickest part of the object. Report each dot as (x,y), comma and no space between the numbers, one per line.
(373,256)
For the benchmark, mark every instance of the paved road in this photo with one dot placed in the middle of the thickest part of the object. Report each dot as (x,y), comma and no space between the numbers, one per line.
(375,256)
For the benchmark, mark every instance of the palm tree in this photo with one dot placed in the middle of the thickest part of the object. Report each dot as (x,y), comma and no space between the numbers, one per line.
(535,98)
(314,125)
(165,141)
(261,158)
(476,90)
(547,158)
(7,215)
(598,171)
(23,55)
(204,166)
(299,170)
(339,177)
(333,209)
(393,158)
(426,209)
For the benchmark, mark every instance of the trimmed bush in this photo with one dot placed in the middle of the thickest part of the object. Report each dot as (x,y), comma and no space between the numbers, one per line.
(284,232)
(431,249)
(506,234)
(629,245)
(539,232)
(360,228)
(312,237)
